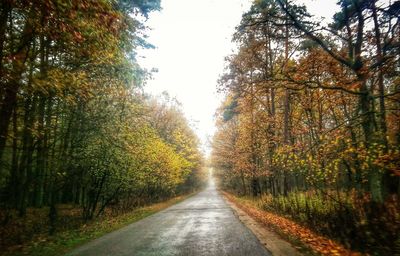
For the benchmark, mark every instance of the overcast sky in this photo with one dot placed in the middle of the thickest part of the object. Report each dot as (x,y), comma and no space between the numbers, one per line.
(192,37)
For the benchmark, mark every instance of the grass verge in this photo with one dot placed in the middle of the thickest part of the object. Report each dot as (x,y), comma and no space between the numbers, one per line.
(62,242)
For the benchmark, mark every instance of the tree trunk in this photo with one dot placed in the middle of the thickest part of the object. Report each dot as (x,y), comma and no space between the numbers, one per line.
(12,86)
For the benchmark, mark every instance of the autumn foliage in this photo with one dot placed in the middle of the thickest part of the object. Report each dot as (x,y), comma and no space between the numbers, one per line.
(75,126)
(310,123)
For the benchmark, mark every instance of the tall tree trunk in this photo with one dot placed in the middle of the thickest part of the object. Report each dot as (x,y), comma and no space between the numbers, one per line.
(14,163)
(286,126)
(381,86)
(11,87)
(40,154)
(375,176)
(25,166)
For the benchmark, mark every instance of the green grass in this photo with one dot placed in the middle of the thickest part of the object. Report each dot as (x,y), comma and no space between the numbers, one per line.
(62,242)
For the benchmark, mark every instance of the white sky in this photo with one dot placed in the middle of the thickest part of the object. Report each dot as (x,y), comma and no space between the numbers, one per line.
(192,38)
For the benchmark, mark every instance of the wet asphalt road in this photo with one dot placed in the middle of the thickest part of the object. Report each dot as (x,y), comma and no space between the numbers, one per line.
(201,225)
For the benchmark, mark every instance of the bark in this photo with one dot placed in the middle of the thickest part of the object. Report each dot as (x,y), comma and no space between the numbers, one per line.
(381,86)
(25,165)
(40,155)
(14,164)
(12,86)
(286,126)
(41,147)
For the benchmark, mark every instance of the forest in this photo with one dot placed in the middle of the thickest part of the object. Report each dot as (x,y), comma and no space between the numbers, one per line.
(310,126)
(76,127)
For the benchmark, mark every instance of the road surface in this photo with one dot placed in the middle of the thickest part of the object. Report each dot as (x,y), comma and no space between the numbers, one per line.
(201,225)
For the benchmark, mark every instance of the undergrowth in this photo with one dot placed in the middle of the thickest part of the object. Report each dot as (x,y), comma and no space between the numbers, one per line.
(349,219)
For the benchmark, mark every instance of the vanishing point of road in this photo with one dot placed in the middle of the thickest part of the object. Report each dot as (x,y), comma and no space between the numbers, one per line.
(201,225)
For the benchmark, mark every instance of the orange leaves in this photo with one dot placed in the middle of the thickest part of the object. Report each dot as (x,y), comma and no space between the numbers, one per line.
(319,69)
(318,244)
(78,36)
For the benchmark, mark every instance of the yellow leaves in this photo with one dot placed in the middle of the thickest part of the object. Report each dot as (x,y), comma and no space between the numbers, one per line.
(389,161)
(160,163)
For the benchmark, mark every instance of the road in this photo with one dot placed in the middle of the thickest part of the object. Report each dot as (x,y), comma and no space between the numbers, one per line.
(201,225)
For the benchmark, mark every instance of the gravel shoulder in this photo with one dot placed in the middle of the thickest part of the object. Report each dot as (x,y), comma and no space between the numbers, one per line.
(272,241)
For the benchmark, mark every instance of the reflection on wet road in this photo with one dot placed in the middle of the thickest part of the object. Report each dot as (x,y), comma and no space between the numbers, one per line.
(201,225)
